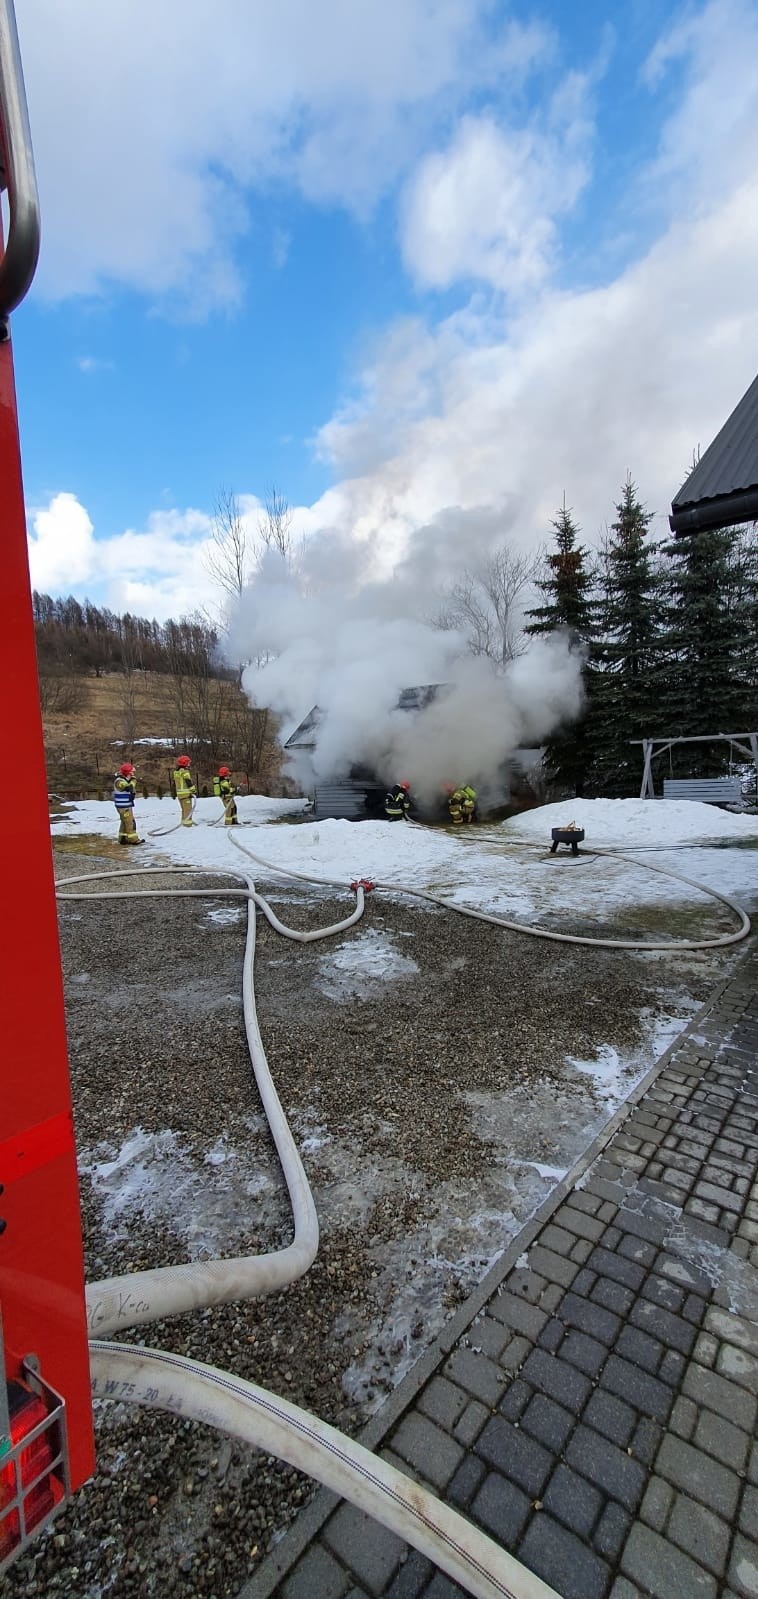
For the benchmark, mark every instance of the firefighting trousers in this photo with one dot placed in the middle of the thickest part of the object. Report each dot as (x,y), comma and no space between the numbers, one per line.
(127,827)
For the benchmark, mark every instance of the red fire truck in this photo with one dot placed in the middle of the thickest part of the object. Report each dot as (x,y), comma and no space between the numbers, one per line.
(46,1448)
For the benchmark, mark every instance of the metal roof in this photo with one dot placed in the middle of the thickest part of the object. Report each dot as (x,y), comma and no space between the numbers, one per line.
(304,736)
(411,699)
(721,487)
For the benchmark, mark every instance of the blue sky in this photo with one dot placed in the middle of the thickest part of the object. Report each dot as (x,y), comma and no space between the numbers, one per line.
(409,260)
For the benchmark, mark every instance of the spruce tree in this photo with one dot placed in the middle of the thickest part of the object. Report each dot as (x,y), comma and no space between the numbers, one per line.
(627,702)
(710,683)
(744,614)
(567,586)
(568,606)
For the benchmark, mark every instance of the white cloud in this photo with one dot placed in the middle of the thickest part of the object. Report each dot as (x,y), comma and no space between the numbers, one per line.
(158,571)
(474,428)
(61,545)
(581,387)
(510,408)
(153,123)
(710,142)
(486,207)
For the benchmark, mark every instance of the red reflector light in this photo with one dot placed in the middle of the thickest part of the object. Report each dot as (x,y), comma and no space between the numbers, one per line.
(28,1487)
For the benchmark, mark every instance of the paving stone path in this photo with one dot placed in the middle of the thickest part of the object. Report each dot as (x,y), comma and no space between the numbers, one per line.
(596,1410)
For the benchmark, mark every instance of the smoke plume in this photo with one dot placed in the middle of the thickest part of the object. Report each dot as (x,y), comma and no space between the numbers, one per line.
(334,635)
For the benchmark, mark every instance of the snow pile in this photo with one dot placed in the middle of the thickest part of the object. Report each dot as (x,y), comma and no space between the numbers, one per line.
(626,823)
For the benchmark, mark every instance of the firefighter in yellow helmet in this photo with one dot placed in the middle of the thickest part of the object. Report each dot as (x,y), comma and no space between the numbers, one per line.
(454,804)
(185,789)
(223,788)
(124,788)
(468,802)
(461,803)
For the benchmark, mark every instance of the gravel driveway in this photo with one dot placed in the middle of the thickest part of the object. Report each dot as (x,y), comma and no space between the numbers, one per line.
(424,1062)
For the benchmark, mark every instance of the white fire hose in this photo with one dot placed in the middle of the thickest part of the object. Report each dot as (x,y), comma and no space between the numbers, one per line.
(670,948)
(163,832)
(204,1394)
(201,1393)
(139,1297)
(186,1388)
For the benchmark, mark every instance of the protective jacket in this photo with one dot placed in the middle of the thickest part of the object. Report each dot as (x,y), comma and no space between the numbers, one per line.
(223,787)
(468,799)
(123,792)
(396,803)
(185,788)
(455,805)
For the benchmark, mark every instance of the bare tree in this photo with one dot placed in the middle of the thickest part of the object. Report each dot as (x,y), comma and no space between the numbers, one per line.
(483,603)
(275,525)
(61,694)
(131,664)
(227,561)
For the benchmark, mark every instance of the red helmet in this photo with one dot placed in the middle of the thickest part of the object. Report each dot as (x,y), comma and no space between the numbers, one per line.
(224,771)
(184,760)
(448,787)
(126,769)
(405,785)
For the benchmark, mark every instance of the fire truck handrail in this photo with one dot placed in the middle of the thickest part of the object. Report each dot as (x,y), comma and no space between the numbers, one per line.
(19,261)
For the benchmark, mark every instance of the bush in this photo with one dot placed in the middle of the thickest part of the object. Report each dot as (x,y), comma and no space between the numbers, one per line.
(60,694)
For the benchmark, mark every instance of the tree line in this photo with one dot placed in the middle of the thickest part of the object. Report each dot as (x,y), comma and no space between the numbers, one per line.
(77,637)
(668,630)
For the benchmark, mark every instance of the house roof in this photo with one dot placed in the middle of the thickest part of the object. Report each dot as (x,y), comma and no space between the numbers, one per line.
(723,487)
(304,736)
(410,699)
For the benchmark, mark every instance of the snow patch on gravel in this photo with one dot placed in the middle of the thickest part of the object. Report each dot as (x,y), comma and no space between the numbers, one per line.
(360,964)
(211,1204)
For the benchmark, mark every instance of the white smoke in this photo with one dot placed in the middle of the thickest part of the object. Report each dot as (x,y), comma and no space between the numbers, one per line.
(321,637)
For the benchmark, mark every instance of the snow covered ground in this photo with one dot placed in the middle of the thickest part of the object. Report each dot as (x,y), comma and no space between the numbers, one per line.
(505,867)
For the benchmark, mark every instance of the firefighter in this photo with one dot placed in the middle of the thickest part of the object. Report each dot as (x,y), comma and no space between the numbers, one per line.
(124,787)
(185,789)
(468,802)
(397,802)
(454,804)
(223,788)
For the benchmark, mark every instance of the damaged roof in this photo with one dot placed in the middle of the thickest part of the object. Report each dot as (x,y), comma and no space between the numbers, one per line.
(304,736)
(410,699)
(723,487)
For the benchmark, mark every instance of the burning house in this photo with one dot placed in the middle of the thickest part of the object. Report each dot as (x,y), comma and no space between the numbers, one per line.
(359,793)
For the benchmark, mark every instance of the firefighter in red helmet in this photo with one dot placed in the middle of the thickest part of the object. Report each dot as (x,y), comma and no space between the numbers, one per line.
(397,802)
(185,789)
(124,788)
(223,788)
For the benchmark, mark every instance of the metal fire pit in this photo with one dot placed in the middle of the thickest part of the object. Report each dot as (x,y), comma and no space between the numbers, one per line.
(566,835)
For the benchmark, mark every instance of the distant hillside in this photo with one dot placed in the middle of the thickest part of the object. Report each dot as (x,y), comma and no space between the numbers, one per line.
(121,687)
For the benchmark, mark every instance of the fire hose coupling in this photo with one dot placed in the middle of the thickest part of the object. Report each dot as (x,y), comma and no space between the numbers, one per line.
(364,883)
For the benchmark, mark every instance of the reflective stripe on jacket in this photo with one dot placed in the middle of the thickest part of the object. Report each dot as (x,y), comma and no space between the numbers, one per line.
(123,792)
(185,788)
(396,801)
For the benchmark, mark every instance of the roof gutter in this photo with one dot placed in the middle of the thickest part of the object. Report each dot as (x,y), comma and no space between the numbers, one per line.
(709,515)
